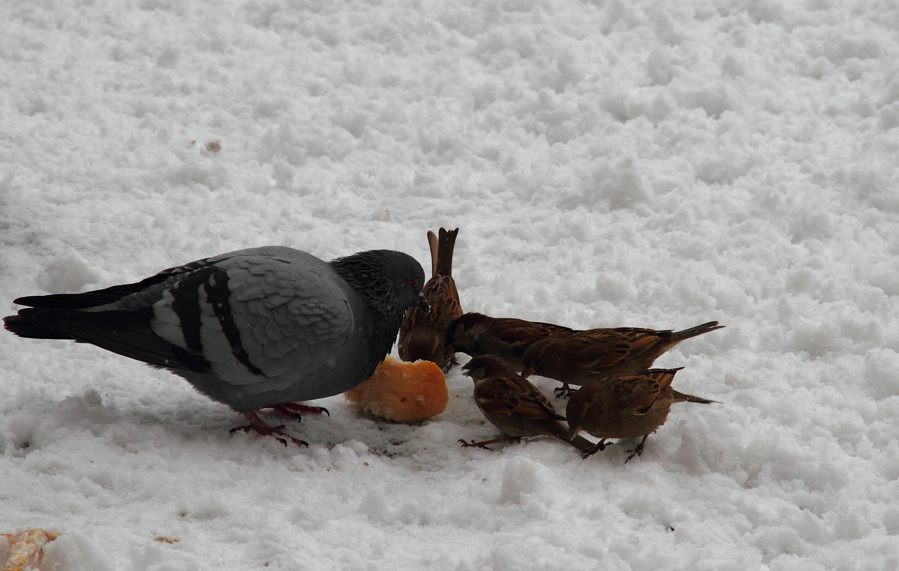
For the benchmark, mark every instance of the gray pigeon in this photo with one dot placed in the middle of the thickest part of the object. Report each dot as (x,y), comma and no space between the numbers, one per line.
(252,329)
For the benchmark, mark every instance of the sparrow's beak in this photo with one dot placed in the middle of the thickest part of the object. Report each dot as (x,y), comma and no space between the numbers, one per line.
(423,304)
(527,372)
(572,431)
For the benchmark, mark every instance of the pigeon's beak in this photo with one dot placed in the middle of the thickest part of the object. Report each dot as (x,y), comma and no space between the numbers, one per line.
(423,304)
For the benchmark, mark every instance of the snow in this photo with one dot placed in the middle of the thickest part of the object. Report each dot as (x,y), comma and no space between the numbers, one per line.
(609,163)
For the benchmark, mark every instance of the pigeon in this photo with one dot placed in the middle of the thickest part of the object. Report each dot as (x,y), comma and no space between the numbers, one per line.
(514,405)
(255,328)
(506,337)
(594,354)
(423,334)
(625,406)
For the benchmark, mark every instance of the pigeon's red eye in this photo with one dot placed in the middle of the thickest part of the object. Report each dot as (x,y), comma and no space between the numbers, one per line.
(413,282)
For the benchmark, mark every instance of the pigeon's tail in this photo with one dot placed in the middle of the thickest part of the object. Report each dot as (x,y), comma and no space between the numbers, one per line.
(76,324)
(126,332)
(23,326)
(66,315)
(694,331)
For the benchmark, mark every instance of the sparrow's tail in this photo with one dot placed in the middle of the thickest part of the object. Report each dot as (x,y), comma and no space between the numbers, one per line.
(683,397)
(698,330)
(442,251)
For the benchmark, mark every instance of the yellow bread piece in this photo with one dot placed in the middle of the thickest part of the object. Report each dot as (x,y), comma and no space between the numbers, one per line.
(26,548)
(401,391)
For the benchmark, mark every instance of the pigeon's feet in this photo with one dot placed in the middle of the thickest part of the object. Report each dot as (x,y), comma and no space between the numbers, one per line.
(600,446)
(295,409)
(565,391)
(257,425)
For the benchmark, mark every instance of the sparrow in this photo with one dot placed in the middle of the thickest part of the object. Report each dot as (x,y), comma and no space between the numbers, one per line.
(514,405)
(507,338)
(625,406)
(584,357)
(252,329)
(423,334)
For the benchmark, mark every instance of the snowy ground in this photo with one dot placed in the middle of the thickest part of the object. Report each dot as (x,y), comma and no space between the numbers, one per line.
(642,163)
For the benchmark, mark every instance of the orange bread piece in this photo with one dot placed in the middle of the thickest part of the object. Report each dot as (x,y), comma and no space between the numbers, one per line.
(26,549)
(402,391)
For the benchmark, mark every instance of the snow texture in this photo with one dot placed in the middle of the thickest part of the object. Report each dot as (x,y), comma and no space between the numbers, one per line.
(609,163)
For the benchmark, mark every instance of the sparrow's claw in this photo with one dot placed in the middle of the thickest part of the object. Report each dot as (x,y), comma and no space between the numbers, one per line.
(472,443)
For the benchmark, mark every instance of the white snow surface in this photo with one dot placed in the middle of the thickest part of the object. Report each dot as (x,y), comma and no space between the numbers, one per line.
(609,163)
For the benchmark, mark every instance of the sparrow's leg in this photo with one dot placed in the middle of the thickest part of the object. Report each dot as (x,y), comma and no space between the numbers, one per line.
(483,444)
(600,446)
(565,391)
(638,451)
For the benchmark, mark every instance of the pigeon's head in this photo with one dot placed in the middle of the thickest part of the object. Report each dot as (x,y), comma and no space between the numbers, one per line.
(388,280)
(408,279)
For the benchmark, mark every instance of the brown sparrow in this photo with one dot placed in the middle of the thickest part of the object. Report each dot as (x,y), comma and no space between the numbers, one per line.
(514,405)
(625,406)
(476,334)
(588,356)
(423,335)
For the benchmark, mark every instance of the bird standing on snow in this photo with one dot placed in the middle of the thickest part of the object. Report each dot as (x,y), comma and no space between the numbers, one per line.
(625,406)
(588,356)
(514,405)
(252,329)
(423,334)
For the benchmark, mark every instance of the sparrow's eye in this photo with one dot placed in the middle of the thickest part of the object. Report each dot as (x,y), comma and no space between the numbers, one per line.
(413,282)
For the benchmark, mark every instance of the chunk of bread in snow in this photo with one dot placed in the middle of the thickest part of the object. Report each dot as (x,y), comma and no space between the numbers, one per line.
(25,548)
(402,392)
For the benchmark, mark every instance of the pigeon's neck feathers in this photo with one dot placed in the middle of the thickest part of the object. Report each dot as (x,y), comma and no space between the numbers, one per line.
(366,273)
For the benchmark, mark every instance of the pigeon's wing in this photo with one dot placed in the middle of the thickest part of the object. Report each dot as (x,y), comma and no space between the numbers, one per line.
(125,332)
(125,296)
(262,320)
(116,319)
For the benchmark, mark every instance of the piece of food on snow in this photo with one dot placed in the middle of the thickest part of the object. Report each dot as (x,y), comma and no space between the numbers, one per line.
(25,548)
(402,392)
